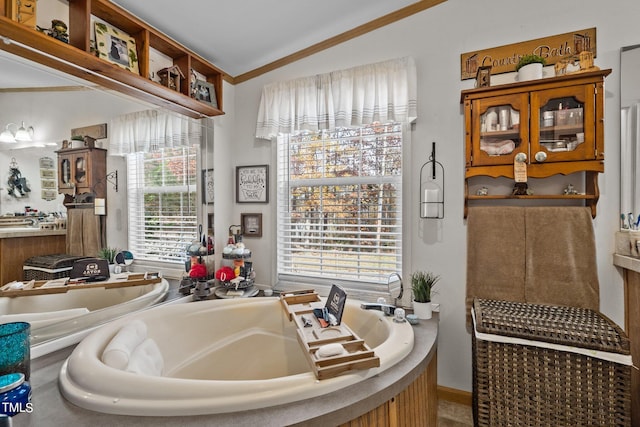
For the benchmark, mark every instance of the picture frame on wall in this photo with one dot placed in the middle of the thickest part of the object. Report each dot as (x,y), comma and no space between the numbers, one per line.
(206,92)
(251,224)
(252,184)
(117,47)
(207,186)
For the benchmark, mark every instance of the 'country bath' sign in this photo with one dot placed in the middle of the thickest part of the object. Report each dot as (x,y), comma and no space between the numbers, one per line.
(503,59)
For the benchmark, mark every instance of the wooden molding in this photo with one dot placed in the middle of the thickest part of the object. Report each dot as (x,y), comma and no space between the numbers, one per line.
(454,395)
(340,38)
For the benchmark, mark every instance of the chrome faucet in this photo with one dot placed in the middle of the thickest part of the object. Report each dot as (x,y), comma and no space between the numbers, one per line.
(387,309)
(398,299)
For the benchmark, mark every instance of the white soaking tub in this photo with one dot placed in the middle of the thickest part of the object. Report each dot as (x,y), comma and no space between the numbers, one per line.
(220,356)
(46,309)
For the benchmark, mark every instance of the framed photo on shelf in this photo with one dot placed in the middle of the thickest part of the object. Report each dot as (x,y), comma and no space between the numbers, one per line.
(252,184)
(207,186)
(251,224)
(206,92)
(116,47)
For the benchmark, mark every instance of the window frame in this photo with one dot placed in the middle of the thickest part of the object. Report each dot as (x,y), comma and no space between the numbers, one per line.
(286,280)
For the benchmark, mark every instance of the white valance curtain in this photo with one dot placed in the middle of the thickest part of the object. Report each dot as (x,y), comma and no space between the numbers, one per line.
(381,92)
(151,130)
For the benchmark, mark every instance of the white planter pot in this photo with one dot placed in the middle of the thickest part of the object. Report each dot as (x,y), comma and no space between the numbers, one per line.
(422,310)
(530,72)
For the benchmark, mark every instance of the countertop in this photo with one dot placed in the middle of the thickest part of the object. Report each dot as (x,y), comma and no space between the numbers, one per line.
(51,409)
(626,261)
(11,232)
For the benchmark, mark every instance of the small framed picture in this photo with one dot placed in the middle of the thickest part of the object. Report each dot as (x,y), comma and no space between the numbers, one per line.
(251,224)
(207,186)
(116,47)
(483,76)
(252,184)
(206,92)
(48,183)
(49,194)
(48,173)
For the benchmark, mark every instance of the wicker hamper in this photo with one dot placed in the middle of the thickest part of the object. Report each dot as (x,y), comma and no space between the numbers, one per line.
(48,267)
(544,365)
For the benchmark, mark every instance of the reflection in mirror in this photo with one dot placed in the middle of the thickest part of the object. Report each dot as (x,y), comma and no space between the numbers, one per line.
(56,103)
(630,130)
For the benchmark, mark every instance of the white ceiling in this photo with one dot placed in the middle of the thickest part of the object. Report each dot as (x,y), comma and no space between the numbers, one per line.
(238,36)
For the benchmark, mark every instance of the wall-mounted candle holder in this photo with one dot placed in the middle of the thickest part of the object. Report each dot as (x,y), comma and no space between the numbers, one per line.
(432,188)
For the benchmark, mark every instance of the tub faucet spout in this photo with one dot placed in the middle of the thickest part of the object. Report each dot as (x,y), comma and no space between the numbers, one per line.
(398,299)
(387,309)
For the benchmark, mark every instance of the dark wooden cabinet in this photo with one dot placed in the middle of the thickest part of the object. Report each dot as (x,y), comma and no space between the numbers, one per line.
(553,125)
(81,171)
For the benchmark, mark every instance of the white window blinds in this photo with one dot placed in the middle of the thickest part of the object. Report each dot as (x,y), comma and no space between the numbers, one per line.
(162,203)
(340,204)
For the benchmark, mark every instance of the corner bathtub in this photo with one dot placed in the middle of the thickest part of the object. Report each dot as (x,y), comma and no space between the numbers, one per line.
(44,311)
(220,356)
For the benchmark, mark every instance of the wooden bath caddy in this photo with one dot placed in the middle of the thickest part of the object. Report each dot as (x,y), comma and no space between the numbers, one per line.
(132,280)
(358,355)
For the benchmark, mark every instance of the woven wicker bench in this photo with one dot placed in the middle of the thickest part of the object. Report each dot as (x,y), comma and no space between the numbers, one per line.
(544,365)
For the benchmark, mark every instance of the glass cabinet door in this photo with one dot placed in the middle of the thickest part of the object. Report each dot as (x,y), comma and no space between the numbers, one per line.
(558,124)
(500,129)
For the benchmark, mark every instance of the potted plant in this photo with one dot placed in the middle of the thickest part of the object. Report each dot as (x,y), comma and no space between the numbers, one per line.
(421,285)
(529,67)
(109,254)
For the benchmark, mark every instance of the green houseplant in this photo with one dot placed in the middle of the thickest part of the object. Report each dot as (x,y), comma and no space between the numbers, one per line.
(422,284)
(108,253)
(529,67)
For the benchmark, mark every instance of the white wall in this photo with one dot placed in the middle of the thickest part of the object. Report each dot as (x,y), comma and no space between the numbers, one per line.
(436,38)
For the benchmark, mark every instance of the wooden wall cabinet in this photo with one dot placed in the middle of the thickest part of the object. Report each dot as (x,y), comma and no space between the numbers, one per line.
(23,11)
(76,57)
(555,124)
(82,170)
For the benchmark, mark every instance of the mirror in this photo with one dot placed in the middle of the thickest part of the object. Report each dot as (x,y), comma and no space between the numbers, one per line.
(54,103)
(630,130)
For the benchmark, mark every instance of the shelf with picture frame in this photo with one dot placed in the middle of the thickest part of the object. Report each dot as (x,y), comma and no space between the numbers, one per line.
(77,57)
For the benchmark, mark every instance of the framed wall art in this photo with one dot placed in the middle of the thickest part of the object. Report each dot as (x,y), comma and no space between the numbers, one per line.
(251,224)
(252,184)
(116,47)
(206,92)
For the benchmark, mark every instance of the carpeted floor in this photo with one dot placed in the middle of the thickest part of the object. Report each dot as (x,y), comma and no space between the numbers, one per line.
(454,414)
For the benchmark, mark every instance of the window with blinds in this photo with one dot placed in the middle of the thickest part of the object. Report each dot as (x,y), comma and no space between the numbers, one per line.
(340,205)
(162,199)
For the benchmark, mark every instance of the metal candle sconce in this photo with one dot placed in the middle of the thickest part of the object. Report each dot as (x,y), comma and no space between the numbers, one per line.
(432,188)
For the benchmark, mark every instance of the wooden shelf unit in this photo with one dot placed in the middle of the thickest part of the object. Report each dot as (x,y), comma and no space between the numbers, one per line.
(529,100)
(76,58)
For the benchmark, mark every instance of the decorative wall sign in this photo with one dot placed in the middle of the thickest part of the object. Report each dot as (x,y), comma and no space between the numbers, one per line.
(94,131)
(503,59)
(252,184)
